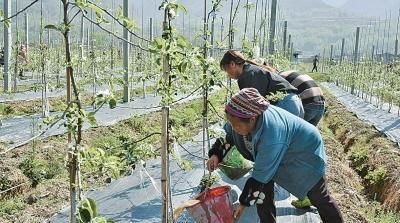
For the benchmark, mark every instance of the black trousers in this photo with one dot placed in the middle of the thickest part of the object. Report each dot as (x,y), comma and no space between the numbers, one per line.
(314,68)
(318,195)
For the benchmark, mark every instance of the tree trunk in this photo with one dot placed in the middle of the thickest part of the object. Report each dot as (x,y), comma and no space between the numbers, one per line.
(246,20)
(73,149)
(165,136)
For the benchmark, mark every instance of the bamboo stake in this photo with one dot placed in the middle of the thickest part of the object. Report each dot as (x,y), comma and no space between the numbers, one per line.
(205,89)
(71,151)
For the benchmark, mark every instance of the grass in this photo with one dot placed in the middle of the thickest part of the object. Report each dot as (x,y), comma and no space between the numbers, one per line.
(11,207)
(57,104)
(374,157)
(38,169)
(319,76)
(375,213)
(6,110)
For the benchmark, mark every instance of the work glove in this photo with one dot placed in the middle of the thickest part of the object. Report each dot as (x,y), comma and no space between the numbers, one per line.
(252,193)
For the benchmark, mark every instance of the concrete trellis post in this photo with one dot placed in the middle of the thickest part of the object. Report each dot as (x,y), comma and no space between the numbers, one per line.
(272,27)
(284,37)
(342,51)
(355,59)
(7,47)
(288,46)
(26,33)
(126,54)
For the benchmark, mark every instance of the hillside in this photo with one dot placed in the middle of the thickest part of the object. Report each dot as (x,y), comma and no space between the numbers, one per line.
(372,7)
(312,23)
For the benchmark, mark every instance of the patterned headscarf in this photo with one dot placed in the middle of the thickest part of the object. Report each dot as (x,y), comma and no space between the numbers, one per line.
(246,104)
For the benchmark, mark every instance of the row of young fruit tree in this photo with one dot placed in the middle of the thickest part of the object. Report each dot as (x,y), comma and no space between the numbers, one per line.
(367,63)
(167,65)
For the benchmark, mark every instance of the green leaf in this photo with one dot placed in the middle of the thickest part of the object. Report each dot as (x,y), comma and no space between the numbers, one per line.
(53,27)
(81,3)
(162,6)
(212,82)
(92,119)
(84,215)
(182,7)
(182,43)
(87,210)
(7,22)
(159,42)
(98,11)
(120,12)
(93,206)
(50,119)
(182,66)
(112,103)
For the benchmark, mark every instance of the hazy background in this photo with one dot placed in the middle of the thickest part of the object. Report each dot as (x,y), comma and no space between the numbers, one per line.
(314,24)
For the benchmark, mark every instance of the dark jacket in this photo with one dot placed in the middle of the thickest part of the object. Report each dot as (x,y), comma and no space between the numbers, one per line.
(264,81)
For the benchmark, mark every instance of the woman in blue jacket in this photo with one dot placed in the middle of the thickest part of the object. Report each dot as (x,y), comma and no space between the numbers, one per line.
(285,149)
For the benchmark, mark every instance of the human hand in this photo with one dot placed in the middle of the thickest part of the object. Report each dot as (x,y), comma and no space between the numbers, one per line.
(238,212)
(212,163)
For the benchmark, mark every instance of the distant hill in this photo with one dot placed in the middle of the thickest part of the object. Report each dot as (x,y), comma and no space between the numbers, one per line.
(312,23)
(372,7)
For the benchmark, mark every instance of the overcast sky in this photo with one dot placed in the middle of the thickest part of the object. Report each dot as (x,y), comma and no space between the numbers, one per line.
(336,3)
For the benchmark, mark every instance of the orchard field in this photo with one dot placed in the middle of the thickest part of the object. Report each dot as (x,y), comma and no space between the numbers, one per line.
(108,109)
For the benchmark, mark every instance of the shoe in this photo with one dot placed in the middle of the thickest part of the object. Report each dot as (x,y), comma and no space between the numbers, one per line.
(302,204)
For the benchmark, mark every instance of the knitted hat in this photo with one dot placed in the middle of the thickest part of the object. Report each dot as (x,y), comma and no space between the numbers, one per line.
(246,104)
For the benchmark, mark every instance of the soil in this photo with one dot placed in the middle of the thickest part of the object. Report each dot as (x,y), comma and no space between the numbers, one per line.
(375,158)
(344,184)
(35,204)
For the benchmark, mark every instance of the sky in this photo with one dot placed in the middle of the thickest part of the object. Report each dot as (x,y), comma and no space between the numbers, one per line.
(335,3)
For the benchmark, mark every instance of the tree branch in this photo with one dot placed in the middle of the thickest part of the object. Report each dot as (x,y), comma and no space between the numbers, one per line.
(215,110)
(235,13)
(146,137)
(186,150)
(77,13)
(43,132)
(117,20)
(22,10)
(113,34)
(12,188)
